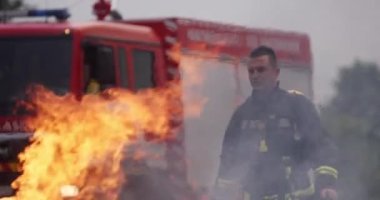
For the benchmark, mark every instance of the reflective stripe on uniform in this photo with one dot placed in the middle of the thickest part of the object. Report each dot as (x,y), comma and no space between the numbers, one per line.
(225,183)
(306,192)
(327,170)
(247,196)
(271,197)
(309,191)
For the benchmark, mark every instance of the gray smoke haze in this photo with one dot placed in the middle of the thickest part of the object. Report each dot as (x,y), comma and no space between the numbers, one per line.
(340,30)
(352,118)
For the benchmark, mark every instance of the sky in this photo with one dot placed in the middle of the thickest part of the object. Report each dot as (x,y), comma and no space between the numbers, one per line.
(341,31)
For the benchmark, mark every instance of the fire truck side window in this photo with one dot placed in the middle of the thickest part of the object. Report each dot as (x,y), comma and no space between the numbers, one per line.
(143,62)
(99,68)
(105,67)
(123,68)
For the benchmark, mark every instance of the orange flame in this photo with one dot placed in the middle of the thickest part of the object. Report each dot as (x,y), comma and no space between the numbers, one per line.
(81,143)
(77,146)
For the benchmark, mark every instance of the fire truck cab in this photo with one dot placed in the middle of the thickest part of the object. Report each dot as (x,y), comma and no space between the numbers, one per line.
(65,58)
(133,54)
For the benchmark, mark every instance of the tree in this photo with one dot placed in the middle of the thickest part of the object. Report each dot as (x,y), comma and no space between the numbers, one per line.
(352,117)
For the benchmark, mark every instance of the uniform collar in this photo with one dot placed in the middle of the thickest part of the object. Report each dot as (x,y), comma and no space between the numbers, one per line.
(263,95)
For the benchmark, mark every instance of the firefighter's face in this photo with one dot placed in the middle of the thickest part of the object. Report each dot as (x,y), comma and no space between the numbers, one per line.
(262,74)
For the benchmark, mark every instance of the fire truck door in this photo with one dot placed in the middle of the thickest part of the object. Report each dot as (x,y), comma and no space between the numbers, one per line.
(99,67)
(144,70)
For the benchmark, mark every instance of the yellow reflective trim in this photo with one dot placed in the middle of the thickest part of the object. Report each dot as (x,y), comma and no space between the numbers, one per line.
(328,173)
(327,170)
(309,191)
(263,146)
(295,92)
(225,183)
(272,197)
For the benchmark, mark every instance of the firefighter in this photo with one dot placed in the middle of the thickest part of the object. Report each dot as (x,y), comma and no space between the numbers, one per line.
(274,147)
(93,87)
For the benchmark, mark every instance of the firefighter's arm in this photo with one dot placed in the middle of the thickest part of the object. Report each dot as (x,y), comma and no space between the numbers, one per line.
(229,145)
(226,182)
(320,149)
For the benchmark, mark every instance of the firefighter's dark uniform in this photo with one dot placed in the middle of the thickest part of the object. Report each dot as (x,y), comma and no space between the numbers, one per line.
(274,148)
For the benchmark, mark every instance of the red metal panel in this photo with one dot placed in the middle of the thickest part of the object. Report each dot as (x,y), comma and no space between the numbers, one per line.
(109,30)
(238,41)
(33,29)
(232,40)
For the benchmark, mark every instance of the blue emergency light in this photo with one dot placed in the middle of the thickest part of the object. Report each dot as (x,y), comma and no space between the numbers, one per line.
(59,14)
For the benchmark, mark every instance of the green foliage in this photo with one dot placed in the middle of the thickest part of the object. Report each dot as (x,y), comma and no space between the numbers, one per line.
(352,117)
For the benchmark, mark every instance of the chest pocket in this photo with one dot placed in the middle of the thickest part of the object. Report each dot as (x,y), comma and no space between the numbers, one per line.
(251,133)
(281,134)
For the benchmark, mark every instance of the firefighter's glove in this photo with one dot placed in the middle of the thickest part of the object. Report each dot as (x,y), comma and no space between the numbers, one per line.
(326,177)
(329,194)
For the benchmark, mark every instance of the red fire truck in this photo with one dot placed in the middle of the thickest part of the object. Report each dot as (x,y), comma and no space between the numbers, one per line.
(133,54)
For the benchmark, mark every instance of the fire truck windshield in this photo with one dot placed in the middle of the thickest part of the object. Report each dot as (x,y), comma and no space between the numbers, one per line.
(32,60)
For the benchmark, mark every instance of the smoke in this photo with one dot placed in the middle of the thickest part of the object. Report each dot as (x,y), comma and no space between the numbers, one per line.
(352,120)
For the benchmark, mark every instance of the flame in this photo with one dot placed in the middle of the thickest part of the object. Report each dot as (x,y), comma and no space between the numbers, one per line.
(77,146)
(82,143)
(196,54)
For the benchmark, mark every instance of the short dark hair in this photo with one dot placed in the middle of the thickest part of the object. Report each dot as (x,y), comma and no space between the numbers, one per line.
(264,50)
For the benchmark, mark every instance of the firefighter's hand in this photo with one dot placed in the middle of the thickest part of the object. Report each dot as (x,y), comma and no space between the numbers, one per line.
(329,194)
